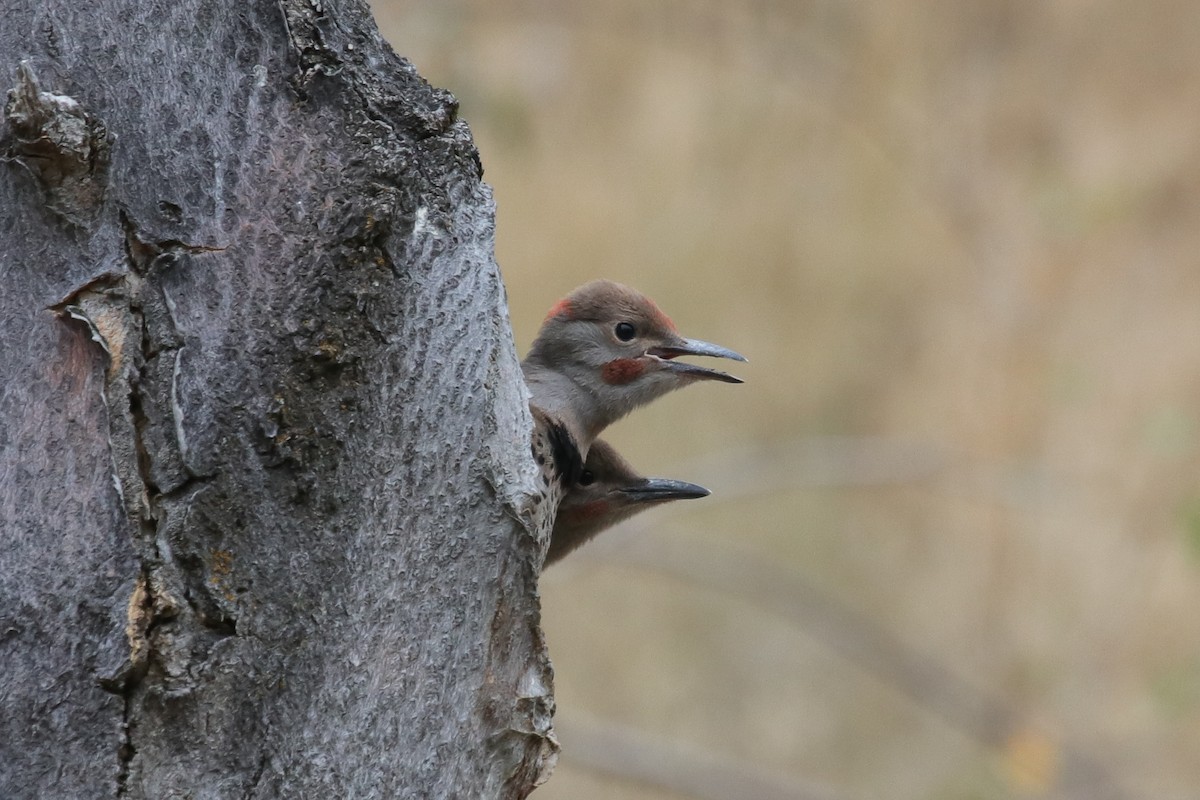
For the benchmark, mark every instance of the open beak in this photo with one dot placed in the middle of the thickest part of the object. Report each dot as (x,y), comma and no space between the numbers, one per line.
(695,347)
(659,490)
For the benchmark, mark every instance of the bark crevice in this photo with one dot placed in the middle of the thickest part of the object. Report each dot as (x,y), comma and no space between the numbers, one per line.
(151,474)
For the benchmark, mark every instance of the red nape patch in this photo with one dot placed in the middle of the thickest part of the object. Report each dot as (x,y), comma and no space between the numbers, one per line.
(622,370)
(561,309)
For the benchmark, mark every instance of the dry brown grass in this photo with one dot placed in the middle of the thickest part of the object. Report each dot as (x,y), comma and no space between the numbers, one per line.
(959,242)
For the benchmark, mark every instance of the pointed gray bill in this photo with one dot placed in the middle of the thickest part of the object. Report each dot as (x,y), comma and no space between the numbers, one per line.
(695,347)
(657,490)
(699,373)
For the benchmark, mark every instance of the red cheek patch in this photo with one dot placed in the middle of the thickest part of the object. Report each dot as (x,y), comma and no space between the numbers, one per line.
(622,370)
(582,513)
(596,508)
(561,309)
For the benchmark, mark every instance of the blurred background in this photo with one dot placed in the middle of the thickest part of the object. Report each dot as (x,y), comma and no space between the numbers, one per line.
(953,546)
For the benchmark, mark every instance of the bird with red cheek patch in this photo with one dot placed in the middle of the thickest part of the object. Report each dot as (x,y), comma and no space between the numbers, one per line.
(606,349)
(620,371)
(608,491)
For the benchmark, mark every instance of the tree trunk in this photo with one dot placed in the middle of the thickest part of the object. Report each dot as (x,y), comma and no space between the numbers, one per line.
(264,443)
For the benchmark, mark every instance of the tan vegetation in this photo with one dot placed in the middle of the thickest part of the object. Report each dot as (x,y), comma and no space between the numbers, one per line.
(953,547)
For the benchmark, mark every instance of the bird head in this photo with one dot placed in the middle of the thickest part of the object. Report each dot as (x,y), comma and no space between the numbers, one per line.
(608,491)
(606,349)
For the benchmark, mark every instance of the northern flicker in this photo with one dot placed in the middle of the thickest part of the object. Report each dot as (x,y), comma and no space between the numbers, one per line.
(608,491)
(556,453)
(604,350)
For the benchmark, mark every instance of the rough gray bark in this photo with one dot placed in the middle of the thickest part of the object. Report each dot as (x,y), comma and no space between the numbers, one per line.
(264,473)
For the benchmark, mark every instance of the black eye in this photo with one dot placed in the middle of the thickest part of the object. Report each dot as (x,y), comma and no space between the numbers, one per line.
(625,331)
(586,478)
